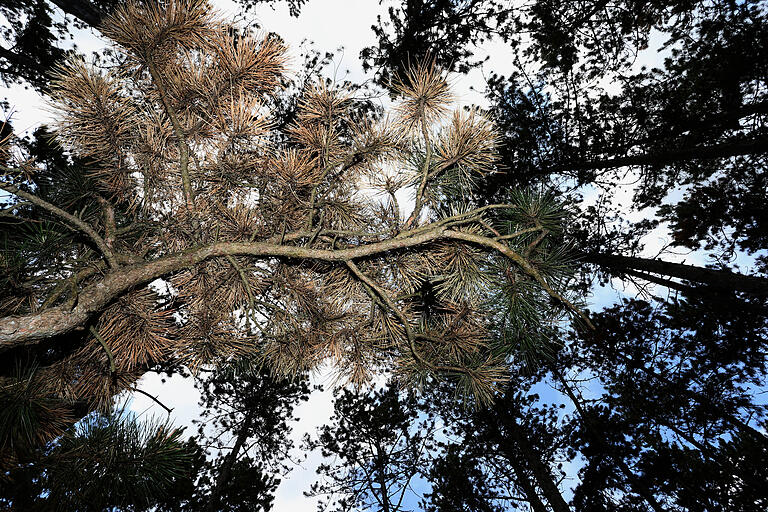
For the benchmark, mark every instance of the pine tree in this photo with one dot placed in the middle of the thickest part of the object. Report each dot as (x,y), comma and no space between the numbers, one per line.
(266,245)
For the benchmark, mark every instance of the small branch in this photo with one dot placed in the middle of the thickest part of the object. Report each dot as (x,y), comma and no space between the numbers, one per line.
(384,296)
(180,136)
(247,286)
(98,337)
(73,221)
(489,228)
(537,241)
(460,218)
(153,398)
(395,206)
(424,176)
(69,282)
(516,233)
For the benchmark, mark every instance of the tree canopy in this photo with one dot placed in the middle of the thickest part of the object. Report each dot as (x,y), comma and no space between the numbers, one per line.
(266,245)
(194,211)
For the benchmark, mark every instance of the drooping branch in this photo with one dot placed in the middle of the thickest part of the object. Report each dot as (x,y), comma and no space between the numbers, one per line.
(104,345)
(523,263)
(384,296)
(410,335)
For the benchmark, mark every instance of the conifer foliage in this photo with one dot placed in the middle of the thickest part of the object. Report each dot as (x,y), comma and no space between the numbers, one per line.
(287,246)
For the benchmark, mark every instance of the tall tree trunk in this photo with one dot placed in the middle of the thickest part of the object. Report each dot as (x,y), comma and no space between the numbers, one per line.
(83,10)
(723,280)
(507,447)
(381,477)
(723,150)
(525,483)
(225,472)
(541,473)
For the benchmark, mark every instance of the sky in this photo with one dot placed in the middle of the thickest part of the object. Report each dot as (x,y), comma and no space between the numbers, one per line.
(329,24)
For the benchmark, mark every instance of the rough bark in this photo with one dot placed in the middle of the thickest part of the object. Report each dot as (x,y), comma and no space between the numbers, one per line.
(30,329)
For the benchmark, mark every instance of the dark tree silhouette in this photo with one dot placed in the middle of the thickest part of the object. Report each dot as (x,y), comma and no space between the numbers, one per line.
(377,443)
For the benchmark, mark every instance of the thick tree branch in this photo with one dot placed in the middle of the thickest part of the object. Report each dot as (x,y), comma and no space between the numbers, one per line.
(723,150)
(717,279)
(30,329)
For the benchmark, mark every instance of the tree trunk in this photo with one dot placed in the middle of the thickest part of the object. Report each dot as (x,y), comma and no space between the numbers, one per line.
(83,10)
(666,283)
(724,150)
(381,477)
(525,483)
(722,280)
(225,472)
(541,472)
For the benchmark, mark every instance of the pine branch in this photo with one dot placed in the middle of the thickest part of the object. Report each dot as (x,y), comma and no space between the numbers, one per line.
(523,264)
(181,137)
(16,331)
(70,219)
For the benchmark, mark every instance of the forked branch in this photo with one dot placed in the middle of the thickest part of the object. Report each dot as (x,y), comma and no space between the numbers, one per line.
(409,334)
(71,221)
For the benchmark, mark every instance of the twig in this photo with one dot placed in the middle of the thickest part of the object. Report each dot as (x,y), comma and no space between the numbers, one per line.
(98,337)
(246,285)
(154,399)
(517,233)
